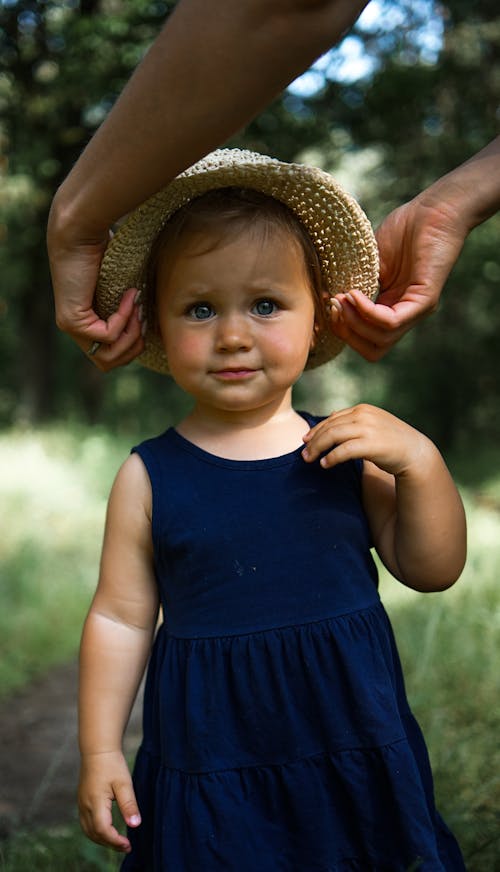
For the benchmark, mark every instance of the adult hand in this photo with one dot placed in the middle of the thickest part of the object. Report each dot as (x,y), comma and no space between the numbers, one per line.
(74,267)
(419,243)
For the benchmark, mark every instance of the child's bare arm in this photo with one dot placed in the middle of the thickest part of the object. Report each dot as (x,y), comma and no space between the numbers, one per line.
(414,509)
(115,647)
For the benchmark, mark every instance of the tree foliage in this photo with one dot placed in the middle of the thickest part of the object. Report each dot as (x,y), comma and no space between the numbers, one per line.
(420,110)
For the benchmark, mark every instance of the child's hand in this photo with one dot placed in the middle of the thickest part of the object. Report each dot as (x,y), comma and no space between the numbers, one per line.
(104,778)
(368,433)
(413,508)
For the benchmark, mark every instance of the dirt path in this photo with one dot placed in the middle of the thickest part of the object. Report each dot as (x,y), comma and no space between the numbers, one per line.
(38,752)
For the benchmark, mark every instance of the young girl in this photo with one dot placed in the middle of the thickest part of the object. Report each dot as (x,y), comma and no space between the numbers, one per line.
(277,734)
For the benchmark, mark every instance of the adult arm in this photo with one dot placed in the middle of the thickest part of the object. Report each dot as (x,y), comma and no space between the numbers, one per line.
(116,642)
(205,76)
(419,244)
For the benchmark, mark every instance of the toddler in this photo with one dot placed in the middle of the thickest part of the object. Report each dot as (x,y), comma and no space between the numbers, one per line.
(277,733)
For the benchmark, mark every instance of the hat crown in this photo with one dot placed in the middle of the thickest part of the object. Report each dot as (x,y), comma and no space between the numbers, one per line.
(338,227)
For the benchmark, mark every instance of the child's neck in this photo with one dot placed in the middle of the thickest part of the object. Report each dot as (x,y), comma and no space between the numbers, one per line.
(254,435)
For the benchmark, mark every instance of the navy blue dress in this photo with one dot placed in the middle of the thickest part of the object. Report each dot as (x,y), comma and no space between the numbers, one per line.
(277,734)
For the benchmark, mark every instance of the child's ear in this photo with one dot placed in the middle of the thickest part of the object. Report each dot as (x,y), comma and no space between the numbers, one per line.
(314,336)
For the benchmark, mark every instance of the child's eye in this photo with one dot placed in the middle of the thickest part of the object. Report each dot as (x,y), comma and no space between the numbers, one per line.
(201,312)
(265,307)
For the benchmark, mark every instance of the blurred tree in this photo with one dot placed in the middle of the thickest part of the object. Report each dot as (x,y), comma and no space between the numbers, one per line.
(61,66)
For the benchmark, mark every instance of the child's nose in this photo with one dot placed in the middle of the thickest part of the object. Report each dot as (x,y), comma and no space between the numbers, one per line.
(233,333)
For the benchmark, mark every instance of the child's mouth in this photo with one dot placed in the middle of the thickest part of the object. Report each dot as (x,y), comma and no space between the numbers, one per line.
(234,373)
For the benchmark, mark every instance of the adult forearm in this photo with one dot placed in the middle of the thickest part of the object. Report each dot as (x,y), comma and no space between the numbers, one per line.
(209,72)
(472,190)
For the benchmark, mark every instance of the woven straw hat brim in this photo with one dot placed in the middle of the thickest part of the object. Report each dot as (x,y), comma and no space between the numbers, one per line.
(338,227)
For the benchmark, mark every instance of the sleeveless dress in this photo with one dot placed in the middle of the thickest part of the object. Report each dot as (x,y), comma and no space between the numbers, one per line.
(277,733)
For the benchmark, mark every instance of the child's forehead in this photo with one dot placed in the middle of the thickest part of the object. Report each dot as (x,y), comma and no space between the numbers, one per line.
(193,240)
(222,216)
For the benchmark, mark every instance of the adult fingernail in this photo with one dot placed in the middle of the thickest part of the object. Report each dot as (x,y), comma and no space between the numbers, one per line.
(134,821)
(137,298)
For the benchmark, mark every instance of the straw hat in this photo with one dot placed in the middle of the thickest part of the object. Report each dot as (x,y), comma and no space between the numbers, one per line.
(338,227)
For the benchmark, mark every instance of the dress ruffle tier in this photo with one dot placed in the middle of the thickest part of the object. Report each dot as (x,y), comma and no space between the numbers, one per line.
(284,741)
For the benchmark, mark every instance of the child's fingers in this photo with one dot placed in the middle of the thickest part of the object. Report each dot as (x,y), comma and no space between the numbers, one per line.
(97,823)
(341,442)
(333,418)
(110,837)
(345,450)
(335,428)
(343,432)
(127,803)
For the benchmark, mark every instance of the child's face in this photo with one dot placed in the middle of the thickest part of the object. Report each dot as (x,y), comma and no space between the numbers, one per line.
(236,315)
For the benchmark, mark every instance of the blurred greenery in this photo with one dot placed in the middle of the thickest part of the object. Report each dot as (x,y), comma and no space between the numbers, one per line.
(56,848)
(54,485)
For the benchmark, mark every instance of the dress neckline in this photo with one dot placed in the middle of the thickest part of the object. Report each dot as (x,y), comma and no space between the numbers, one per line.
(215,459)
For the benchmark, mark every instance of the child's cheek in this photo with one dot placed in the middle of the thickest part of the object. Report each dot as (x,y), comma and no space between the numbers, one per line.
(185,350)
(291,351)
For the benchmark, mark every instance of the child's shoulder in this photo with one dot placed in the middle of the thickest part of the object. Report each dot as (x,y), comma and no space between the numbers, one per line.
(154,445)
(132,485)
(132,471)
(129,509)
(157,455)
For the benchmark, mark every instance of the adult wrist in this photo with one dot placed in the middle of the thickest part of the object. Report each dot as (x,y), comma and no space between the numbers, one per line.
(67,227)
(451,197)
(469,191)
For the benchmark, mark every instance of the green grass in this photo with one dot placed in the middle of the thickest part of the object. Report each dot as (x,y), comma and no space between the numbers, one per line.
(53,490)
(56,849)
(449,646)
(54,485)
